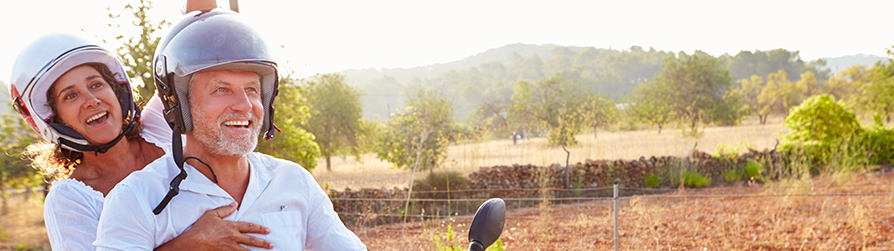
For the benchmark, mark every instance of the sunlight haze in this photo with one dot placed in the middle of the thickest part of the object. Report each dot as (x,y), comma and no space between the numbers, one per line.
(331,36)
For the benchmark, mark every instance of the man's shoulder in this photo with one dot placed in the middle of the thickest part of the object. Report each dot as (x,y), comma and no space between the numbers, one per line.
(156,174)
(278,166)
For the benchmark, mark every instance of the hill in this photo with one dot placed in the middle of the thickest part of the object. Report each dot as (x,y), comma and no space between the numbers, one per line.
(837,64)
(490,76)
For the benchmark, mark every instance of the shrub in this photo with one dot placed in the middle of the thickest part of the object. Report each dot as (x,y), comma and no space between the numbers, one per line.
(652,180)
(821,131)
(821,119)
(696,180)
(754,170)
(733,175)
(442,181)
(879,143)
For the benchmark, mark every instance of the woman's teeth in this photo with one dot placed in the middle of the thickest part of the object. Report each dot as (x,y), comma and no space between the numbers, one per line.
(91,119)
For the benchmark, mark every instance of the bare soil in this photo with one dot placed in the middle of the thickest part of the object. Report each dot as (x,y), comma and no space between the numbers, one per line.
(827,213)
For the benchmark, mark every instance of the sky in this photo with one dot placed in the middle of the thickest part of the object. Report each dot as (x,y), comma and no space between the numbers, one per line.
(312,37)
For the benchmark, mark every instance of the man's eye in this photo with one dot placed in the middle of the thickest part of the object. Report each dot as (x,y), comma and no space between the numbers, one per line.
(251,89)
(221,89)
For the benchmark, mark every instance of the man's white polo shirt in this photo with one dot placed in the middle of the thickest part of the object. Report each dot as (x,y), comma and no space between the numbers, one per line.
(280,195)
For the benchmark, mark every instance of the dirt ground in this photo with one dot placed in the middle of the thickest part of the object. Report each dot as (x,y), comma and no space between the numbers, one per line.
(828,213)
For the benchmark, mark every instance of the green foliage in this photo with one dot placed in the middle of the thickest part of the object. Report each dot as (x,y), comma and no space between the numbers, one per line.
(725,151)
(652,180)
(733,175)
(555,105)
(652,104)
(138,50)
(335,115)
(760,63)
(292,114)
(698,84)
(826,138)
(879,144)
(420,134)
(441,181)
(754,170)
(452,243)
(818,123)
(15,170)
(695,179)
(598,111)
(492,75)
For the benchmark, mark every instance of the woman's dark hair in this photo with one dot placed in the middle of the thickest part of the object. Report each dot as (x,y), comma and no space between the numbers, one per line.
(55,162)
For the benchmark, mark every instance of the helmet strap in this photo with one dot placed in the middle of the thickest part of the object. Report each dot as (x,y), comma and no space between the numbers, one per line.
(103,148)
(177,151)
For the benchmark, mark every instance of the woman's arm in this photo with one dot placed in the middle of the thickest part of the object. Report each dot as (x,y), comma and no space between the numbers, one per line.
(211,232)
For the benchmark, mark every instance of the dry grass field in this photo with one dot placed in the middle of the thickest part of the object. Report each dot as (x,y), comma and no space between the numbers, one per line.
(466,158)
(22,228)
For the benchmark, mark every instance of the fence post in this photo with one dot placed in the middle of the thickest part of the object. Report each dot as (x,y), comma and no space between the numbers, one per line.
(616,212)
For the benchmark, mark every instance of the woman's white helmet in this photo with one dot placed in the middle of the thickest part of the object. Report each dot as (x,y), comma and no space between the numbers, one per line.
(36,69)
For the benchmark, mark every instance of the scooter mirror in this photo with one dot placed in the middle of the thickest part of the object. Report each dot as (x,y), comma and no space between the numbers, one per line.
(487,225)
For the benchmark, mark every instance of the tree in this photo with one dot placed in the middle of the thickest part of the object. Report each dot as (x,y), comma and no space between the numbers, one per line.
(749,91)
(554,104)
(521,118)
(493,116)
(420,134)
(653,104)
(598,111)
(292,113)
(335,115)
(15,170)
(698,83)
(879,94)
(138,51)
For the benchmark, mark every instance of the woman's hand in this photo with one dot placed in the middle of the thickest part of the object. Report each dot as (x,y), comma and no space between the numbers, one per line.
(211,232)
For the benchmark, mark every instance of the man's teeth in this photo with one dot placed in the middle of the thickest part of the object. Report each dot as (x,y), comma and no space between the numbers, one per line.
(91,119)
(236,123)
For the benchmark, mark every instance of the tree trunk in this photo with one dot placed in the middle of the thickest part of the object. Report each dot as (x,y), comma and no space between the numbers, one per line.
(659,129)
(594,133)
(328,163)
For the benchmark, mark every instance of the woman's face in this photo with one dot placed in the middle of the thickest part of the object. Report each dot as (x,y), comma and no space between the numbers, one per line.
(87,103)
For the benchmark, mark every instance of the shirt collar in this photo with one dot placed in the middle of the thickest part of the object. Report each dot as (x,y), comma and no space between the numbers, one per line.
(259,178)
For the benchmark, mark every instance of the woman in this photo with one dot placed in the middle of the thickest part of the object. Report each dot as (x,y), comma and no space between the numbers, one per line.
(76,95)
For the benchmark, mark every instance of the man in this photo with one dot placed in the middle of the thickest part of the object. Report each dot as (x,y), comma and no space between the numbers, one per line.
(218,83)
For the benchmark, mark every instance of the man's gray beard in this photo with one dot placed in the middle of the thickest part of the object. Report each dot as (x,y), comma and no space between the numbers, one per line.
(209,135)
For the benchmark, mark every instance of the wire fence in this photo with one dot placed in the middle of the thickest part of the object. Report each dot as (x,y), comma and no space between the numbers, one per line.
(772,218)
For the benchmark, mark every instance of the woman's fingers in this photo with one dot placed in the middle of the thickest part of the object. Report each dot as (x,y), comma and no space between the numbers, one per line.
(246,227)
(224,211)
(254,241)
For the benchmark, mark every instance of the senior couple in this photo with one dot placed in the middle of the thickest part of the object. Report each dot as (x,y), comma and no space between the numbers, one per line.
(123,177)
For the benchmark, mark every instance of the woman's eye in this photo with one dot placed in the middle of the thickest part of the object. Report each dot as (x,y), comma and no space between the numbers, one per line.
(96,85)
(69,96)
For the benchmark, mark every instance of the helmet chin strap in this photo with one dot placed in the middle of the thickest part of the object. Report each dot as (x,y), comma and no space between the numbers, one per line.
(103,148)
(177,151)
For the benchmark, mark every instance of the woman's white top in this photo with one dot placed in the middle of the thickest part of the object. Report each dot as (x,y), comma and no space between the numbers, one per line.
(71,210)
